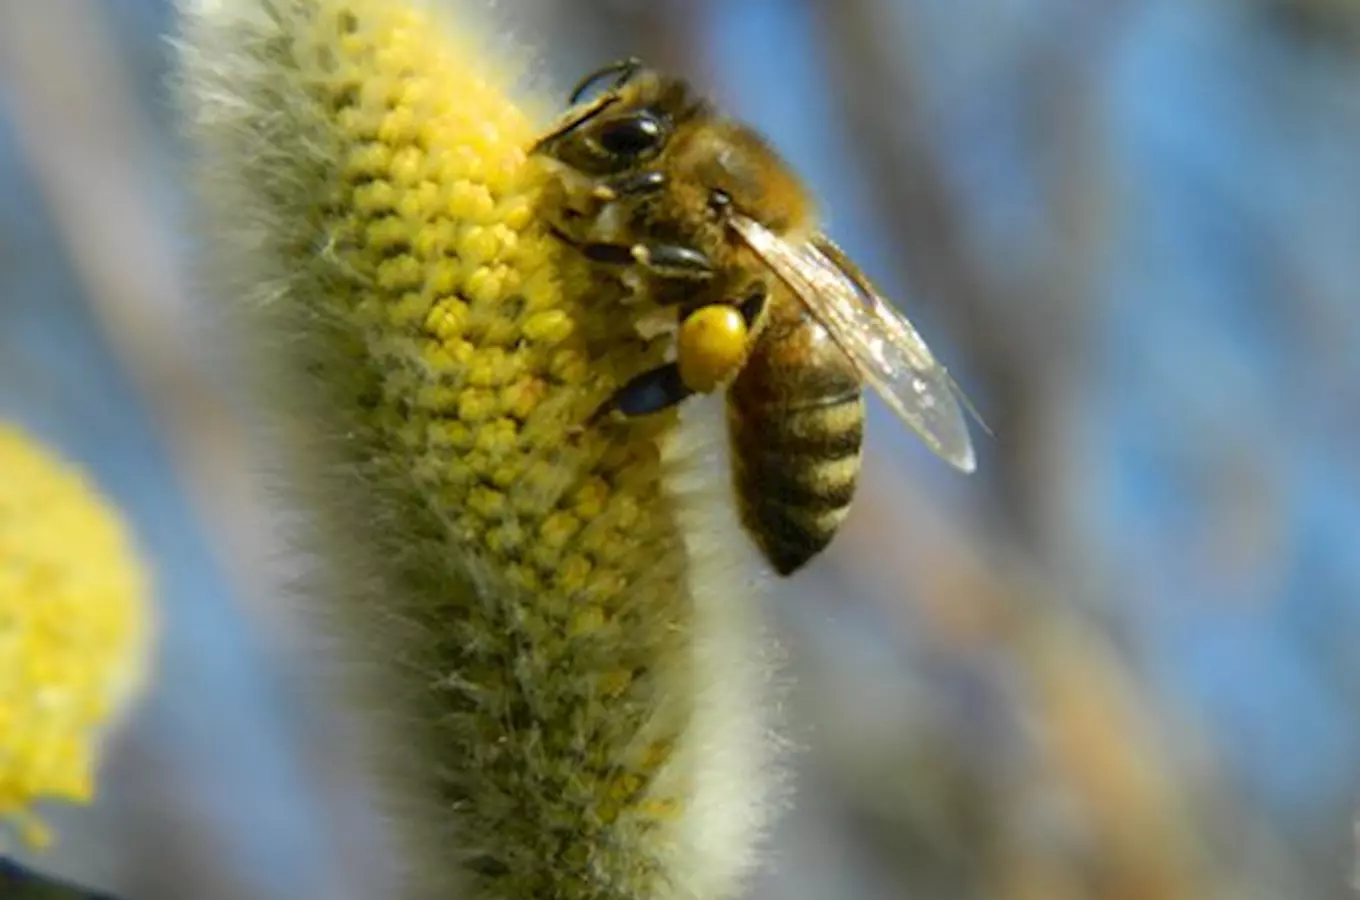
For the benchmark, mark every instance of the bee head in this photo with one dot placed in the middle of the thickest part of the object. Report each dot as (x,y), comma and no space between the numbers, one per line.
(677,166)
(626,126)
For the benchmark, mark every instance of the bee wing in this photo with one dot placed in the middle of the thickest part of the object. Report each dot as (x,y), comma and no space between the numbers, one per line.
(885,348)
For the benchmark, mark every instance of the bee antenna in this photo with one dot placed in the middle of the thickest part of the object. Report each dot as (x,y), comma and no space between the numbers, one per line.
(623,71)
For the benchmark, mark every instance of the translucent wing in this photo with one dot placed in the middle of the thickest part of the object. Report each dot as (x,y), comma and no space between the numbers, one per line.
(884,346)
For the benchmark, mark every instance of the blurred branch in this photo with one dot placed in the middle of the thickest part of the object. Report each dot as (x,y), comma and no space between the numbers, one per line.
(89,148)
(84,135)
(1021,331)
(1095,738)
(17,883)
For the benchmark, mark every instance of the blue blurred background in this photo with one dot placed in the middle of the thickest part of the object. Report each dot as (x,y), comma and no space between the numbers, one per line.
(1117,663)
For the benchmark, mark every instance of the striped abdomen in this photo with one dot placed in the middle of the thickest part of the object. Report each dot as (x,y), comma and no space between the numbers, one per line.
(796,423)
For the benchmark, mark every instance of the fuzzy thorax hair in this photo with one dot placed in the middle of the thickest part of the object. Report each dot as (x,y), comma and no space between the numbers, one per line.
(570,607)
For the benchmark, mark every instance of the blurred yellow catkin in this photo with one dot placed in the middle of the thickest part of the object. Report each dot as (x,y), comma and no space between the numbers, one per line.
(570,605)
(75,627)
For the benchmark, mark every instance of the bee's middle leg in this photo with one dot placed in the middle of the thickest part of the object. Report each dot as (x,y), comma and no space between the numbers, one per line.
(660,259)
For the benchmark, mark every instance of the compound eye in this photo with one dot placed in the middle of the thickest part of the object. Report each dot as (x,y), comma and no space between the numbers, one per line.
(632,136)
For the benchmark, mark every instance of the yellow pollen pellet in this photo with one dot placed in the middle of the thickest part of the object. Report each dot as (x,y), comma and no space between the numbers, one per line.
(710,347)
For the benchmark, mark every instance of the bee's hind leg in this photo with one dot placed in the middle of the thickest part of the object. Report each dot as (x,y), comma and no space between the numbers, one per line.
(651,392)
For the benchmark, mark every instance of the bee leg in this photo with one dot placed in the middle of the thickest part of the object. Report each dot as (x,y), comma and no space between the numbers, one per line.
(634,184)
(662,260)
(673,261)
(651,392)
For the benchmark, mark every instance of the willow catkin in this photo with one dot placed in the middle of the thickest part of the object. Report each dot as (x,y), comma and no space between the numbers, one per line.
(570,604)
(76,630)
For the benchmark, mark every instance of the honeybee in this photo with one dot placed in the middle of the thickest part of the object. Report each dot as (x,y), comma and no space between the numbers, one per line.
(699,214)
